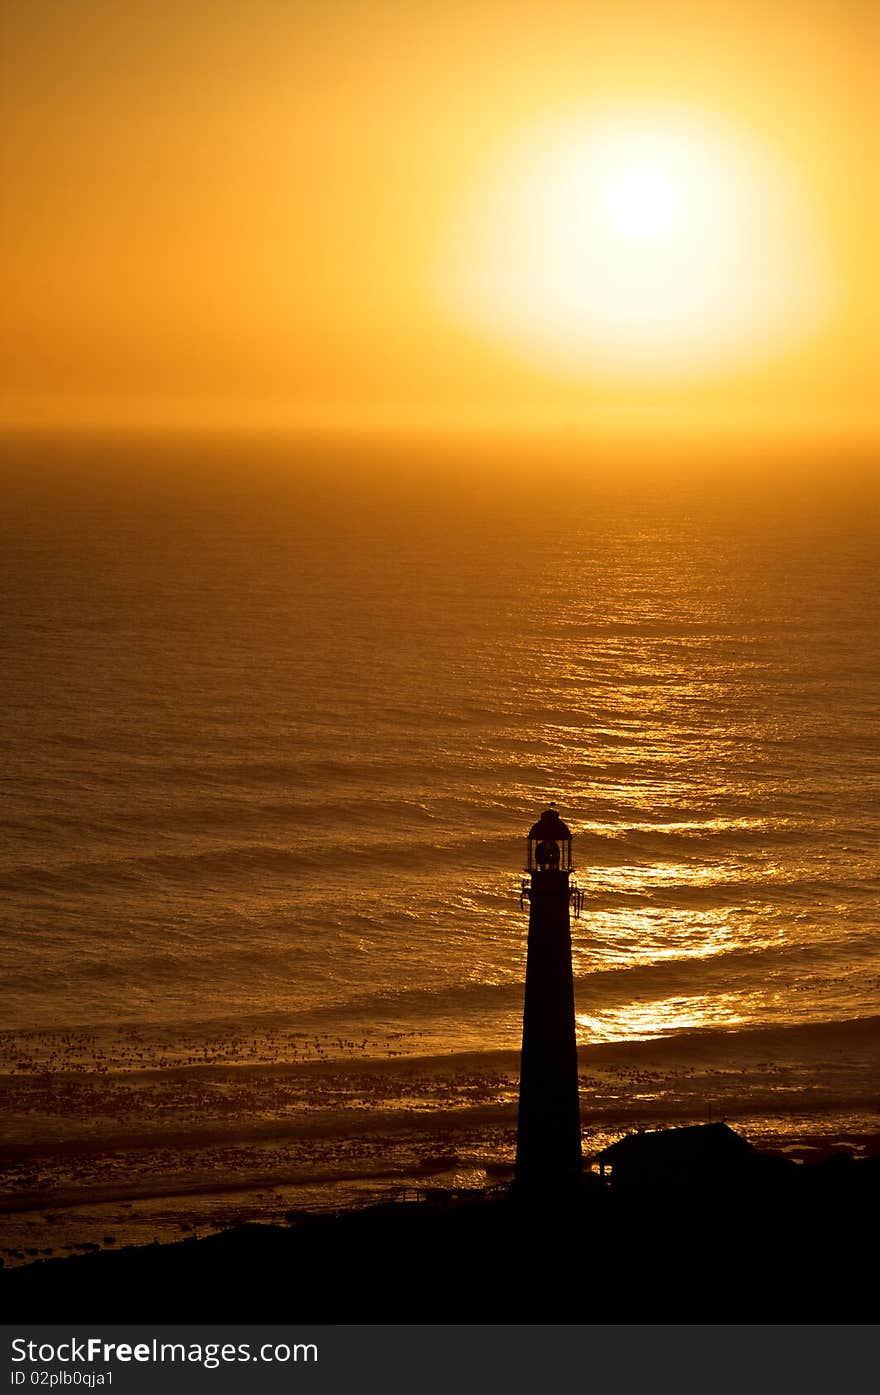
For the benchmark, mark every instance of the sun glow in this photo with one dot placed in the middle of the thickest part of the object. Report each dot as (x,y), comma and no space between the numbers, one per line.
(651,245)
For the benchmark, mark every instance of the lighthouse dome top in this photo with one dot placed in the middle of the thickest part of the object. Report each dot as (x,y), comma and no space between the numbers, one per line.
(550,826)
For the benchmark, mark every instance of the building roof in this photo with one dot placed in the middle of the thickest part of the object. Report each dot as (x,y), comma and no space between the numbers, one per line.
(549,827)
(664,1147)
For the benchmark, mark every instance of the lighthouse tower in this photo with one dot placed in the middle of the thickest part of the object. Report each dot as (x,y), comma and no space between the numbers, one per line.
(548,1144)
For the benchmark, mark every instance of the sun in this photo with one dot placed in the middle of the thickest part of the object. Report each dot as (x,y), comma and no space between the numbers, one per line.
(643,202)
(635,243)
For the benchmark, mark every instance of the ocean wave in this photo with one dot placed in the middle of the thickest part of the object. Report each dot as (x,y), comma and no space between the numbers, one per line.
(615,983)
(322,992)
(318,851)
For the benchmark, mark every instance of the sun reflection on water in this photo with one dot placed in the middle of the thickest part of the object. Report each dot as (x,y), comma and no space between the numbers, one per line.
(664,1016)
(629,935)
(647,877)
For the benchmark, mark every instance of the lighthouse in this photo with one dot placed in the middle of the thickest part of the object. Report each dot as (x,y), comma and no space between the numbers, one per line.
(548,1142)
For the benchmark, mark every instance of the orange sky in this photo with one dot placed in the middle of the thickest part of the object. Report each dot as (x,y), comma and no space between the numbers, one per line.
(233,214)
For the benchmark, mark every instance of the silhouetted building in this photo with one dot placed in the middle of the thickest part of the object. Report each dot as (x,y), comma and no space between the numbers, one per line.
(700,1153)
(548,1143)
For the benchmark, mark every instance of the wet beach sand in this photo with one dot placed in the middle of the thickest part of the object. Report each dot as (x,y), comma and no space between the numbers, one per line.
(102,1154)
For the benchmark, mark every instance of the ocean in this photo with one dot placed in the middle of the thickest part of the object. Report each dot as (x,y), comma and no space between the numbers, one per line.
(277,717)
